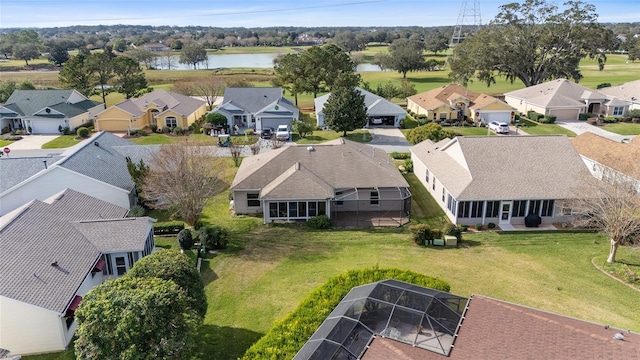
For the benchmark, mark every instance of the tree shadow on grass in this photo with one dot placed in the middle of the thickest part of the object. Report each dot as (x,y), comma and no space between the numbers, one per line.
(444,80)
(223,342)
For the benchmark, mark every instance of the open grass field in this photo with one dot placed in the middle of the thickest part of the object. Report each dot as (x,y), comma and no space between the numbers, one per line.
(623,128)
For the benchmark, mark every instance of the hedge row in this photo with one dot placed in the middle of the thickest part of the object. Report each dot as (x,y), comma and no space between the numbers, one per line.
(167,227)
(288,336)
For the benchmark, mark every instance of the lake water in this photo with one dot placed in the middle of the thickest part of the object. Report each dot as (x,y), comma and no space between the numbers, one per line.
(255,61)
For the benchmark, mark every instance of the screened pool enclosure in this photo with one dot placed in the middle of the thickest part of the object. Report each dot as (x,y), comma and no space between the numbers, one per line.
(414,315)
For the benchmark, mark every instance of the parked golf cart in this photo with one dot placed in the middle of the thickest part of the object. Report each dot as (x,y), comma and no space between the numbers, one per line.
(224,140)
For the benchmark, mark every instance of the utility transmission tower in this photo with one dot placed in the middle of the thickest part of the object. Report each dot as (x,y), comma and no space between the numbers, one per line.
(469,21)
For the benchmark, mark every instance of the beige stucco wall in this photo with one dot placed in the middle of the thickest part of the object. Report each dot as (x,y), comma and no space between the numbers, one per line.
(240,204)
(115,119)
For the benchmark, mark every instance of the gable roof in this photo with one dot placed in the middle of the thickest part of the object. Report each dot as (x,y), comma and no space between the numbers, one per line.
(437,97)
(295,183)
(505,167)
(38,234)
(167,100)
(616,155)
(28,102)
(252,99)
(376,105)
(557,93)
(340,164)
(629,91)
(14,170)
(495,329)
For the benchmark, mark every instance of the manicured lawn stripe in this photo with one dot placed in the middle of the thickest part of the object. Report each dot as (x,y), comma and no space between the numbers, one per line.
(623,128)
(62,141)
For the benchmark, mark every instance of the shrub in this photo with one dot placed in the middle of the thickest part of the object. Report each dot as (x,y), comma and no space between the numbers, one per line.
(550,119)
(177,130)
(136,211)
(213,237)
(166,129)
(153,127)
(248,132)
(289,335)
(452,230)
(408,165)
(491,225)
(400,155)
(82,132)
(185,239)
(611,119)
(437,234)
(216,119)
(516,117)
(421,233)
(479,226)
(584,116)
(603,85)
(635,113)
(141,132)
(302,128)
(532,115)
(167,227)
(463,227)
(431,131)
(319,222)
(195,128)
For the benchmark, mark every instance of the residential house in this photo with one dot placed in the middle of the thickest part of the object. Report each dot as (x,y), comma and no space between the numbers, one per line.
(391,319)
(565,100)
(500,179)
(257,108)
(341,179)
(610,160)
(92,167)
(47,111)
(53,252)
(452,103)
(629,91)
(380,111)
(156,47)
(160,107)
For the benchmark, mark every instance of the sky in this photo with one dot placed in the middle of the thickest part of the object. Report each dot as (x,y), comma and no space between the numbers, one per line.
(267,13)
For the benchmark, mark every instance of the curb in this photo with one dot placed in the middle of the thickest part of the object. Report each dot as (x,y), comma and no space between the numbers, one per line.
(613,277)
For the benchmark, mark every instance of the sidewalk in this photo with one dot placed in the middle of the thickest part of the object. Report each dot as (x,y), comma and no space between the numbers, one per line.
(580,127)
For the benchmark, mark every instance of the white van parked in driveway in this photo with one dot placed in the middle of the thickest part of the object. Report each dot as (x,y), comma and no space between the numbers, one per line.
(282,132)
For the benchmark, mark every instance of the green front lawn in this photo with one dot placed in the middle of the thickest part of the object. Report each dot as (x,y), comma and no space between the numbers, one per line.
(533,128)
(62,141)
(471,131)
(623,128)
(361,135)
(5,143)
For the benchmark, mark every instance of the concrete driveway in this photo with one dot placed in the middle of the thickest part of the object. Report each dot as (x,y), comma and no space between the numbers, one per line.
(389,139)
(580,127)
(30,142)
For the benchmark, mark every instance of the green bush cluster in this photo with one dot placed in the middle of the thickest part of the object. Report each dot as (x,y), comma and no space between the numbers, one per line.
(195,128)
(141,132)
(288,336)
(177,130)
(408,165)
(400,155)
(611,119)
(532,115)
(213,237)
(491,225)
(185,239)
(153,127)
(549,119)
(585,116)
(136,211)
(167,227)
(166,130)
(422,233)
(82,132)
(319,222)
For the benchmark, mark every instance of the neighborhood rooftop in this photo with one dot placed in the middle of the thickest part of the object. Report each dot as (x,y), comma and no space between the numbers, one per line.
(29,102)
(166,100)
(622,157)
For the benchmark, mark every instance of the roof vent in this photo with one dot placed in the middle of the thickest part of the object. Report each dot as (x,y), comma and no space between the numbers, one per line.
(310,148)
(618,336)
(96,143)
(45,164)
(55,264)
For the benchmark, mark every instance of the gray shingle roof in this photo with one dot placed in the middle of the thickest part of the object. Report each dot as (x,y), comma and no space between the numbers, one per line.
(376,105)
(40,234)
(181,104)
(252,99)
(629,91)
(297,183)
(28,102)
(117,235)
(505,167)
(556,93)
(101,162)
(340,164)
(15,170)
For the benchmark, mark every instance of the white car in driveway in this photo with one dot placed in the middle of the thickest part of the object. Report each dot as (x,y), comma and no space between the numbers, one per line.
(499,127)
(282,133)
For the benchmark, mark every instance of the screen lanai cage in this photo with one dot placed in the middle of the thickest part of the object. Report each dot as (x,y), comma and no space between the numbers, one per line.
(415,315)
(379,206)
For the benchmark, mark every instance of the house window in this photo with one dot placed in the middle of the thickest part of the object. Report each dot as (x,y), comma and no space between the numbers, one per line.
(534,206)
(519,208)
(302,209)
(463,209)
(293,209)
(492,209)
(434,184)
(108,269)
(69,321)
(338,195)
(374,198)
(451,204)
(547,208)
(121,265)
(476,209)
(443,194)
(313,211)
(322,208)
(427,177)
(618,110)
(273,210)
(253,199)
(171,121)
(282,210)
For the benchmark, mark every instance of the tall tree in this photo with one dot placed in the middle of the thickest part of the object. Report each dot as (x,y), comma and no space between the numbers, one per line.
(7,87)
(182,177)
(58,54)
(25,52)
(313,61)
(289,74)
(336,63)
(344,110)
(613,208)
(406,55)
(142,55)
(348,41)
(129,77)
(74,75)
(193,54)
(101,64)
(136,318)
(436,41)
(532,42)
(209,88)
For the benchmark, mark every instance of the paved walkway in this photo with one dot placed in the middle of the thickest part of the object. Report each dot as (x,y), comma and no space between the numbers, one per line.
(30,142)
(580,127)
(389,139)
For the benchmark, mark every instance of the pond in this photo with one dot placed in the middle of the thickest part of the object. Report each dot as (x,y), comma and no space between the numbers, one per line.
(254,61)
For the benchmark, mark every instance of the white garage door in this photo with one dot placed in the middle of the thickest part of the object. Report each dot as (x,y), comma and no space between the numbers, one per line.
(490,116)
(565,114)
(48,126)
